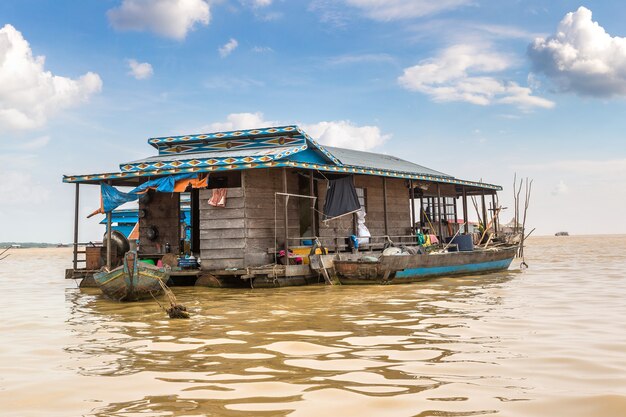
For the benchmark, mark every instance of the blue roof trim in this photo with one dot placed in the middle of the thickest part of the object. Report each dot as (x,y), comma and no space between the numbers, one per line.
(171,140)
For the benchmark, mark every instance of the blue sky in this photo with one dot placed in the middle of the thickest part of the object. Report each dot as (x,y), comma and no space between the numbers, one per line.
(477,89)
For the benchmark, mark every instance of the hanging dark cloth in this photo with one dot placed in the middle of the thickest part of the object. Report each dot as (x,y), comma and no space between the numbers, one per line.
(341,198)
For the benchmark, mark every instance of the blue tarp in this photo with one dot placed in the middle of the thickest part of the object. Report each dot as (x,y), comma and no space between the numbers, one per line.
(112,198)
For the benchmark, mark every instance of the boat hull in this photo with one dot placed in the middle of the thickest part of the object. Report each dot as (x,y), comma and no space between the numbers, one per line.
(132,281)
(411,268)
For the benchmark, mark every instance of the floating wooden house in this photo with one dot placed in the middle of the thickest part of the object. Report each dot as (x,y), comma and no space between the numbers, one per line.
(276,183)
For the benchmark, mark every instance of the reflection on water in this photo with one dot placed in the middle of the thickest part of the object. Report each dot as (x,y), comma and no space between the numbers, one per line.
(546,341)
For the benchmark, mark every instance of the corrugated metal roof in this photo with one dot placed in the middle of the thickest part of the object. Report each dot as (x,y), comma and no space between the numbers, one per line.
(378,161)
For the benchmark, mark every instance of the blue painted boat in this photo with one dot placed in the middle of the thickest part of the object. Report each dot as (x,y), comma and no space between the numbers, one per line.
(133,281)
(398,269)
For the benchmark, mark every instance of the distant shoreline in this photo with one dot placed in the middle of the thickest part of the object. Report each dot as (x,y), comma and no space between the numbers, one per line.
(28,245)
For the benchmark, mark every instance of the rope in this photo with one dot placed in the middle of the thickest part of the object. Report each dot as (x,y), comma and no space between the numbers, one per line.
(176,311)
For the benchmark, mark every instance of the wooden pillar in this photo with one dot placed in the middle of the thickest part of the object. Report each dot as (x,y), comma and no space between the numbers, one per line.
(195,220)
(412,195)
(76,207)
(465,216)
(495,211)
(485,220)
(385,206)
(312,194)
(286,215)
(439,210)
(422,220)
(355,223)
(109,251)
(456,210)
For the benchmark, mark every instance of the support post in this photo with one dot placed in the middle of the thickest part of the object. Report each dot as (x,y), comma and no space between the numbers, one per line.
(355,223)
(439,210)
(385,206)
(485,221)
(422,220)
(109,251)
(286,215)
(456,212)
(465,216)
(495,211)
(312,194)
(412,195)
(76,208)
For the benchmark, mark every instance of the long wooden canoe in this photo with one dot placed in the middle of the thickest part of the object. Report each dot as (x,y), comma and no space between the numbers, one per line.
(399,269)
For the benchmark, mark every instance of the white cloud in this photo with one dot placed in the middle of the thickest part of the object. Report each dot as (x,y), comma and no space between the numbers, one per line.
(169,18)
(262,49)
(560,189)
(404,9)
(259,3)
(18,188)
(587,167)
(345,134)
(232,83)
(32,145)
(29,94)
(140,71)
(239,121)
(581,57)
(228,48)
(360,59)
(466,73)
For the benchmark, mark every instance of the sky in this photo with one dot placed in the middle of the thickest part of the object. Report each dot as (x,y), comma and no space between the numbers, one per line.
(478,89)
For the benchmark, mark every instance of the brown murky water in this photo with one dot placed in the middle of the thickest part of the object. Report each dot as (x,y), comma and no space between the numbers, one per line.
(549,341)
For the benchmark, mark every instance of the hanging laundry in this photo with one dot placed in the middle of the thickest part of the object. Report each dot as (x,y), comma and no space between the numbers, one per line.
(201,182)
(218,199)
(363,231)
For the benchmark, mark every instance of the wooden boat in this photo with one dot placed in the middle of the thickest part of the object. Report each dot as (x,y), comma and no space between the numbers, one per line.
(397,269)
(132,281)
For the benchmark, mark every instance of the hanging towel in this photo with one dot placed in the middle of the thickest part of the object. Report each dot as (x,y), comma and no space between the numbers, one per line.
(218,199)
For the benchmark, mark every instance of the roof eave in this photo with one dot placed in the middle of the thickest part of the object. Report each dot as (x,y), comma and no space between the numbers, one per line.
(120,176)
